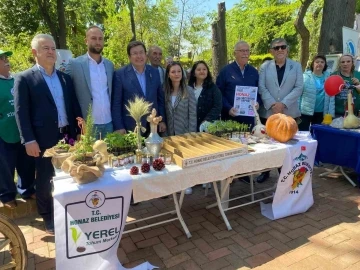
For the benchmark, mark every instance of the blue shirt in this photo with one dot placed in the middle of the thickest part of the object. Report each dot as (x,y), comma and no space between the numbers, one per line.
(53,82)
(142,79)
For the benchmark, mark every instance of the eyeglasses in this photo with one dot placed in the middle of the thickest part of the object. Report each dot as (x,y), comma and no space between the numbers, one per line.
(137,53)
(276,48)
(3,57)
(243,51)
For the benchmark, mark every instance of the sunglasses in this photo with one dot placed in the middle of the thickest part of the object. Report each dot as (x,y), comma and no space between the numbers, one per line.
(276,48)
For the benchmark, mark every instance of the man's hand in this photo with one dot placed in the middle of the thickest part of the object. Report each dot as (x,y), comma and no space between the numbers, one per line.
(233,112)
(278,107)
(121,131)
(162,127)
(32,149)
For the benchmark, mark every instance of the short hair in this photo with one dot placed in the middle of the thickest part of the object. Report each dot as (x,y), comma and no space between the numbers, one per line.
(319,56)
(133,44)
(92,27)
(36,39)
(192,79)
(151,48)
(277,40)
(241,42)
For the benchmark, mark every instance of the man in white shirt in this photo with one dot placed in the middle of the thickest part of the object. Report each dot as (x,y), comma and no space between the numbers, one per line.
(155,57)
(92,76)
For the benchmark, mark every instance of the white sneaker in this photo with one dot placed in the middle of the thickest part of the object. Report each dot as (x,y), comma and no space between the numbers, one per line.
(208,185)
(188,191)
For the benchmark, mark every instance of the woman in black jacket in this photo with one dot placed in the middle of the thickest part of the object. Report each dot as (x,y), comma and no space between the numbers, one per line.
(208,96)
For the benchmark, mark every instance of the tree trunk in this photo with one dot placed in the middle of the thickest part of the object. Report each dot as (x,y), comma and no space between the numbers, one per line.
(219,48)
(336,14)
(62,24)
(132,21)
(303,32)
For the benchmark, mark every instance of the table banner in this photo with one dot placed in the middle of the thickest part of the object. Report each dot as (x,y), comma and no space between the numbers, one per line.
(293,193)
(89,221)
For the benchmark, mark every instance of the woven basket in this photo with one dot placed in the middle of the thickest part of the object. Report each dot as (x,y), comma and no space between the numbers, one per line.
(84,174)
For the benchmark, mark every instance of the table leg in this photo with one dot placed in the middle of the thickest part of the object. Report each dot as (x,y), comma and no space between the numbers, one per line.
(252,187)
(342,172)
(177,207)
(347,177)
(225,192)
(221,205)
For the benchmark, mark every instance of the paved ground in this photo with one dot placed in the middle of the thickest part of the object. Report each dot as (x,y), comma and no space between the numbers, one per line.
(326,237)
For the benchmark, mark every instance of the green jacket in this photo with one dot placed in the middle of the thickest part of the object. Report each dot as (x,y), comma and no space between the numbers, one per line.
(341,99)
(9,131)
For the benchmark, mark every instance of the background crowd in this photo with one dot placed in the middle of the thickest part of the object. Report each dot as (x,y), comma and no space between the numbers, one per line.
(41,104)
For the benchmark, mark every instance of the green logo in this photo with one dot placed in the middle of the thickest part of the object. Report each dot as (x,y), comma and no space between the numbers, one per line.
(75,235)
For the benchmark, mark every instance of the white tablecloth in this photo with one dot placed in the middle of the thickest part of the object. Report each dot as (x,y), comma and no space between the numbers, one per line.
(152,185)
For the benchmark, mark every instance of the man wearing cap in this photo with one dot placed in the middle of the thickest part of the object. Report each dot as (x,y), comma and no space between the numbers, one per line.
(12,152)
(46,108)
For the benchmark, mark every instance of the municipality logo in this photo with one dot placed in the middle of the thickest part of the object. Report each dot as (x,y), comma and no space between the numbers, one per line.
(95,199)
(300,172)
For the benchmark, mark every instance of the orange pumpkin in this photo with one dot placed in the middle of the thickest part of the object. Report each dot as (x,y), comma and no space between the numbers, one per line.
(281,127)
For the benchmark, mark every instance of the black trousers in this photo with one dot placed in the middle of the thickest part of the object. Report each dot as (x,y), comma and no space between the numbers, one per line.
(317,118)
(44,174)
(13,156)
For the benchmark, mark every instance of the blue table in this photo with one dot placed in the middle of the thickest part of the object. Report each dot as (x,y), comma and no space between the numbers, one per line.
(338,146)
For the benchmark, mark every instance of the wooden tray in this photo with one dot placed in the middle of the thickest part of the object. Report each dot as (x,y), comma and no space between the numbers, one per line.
(192,149)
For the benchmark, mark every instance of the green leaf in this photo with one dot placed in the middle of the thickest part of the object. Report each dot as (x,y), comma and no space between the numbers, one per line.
(74,234)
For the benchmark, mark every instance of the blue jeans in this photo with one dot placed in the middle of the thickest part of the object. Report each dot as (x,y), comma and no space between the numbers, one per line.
(102,130)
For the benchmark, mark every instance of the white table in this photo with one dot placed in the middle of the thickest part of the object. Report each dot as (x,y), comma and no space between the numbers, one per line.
(173,179)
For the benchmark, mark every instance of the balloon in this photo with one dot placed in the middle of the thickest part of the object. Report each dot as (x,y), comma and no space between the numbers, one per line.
(333,85)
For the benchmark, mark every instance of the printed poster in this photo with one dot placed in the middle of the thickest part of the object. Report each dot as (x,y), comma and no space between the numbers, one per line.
(245,97)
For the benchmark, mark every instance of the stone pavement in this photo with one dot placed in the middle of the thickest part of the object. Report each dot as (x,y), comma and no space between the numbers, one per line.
(326,237)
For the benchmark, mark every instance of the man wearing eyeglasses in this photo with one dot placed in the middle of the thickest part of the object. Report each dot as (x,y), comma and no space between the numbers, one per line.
(92,75)
(280,86)
(240,73)
(136,79)
(46,109)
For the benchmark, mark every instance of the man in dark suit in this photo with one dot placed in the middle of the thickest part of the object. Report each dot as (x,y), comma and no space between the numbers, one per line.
(45,109)
(136,79)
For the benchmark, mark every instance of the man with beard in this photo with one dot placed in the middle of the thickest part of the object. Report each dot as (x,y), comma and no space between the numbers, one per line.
(92,75)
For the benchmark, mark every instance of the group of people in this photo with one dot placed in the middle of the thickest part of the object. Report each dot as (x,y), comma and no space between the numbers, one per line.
(42,104)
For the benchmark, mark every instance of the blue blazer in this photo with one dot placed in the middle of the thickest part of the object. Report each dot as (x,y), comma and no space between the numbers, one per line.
(229,77)
(126,86)
(35,109)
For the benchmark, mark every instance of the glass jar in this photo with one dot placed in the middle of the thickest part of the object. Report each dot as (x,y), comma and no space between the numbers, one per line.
(121,161)
(162,157)
(168,158)
(143,159)
(115,162)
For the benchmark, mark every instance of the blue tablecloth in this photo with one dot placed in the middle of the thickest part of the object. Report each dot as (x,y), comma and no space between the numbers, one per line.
(338,146)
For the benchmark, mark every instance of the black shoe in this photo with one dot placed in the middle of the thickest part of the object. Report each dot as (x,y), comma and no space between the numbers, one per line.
(245,179)
(263,177)
(49,226)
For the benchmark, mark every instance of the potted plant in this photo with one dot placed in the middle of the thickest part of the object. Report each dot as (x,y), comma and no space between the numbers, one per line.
(116,142)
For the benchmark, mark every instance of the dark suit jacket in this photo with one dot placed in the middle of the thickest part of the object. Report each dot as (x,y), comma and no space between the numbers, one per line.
(229,77)
(126,86)
(35,109)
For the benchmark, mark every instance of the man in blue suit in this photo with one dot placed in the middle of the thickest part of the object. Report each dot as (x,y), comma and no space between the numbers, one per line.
(92,75)
(46,108)
(237,73)
(136,79)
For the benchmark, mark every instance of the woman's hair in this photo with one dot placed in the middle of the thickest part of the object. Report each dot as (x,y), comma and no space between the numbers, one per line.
(319,56)
(192,79)
(352,60)
(168,86)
